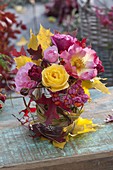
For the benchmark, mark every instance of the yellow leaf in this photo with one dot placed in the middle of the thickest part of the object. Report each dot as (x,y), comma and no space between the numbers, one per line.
(70,128)
(86,91)
(94,83)
(86,86)
(97,84)
(19,8)
(44,37)
(33,42)
(22,42)
(52,19)
(21,61)
(80,126)
(83,126)
(37,62)
(43,139)
(59,145)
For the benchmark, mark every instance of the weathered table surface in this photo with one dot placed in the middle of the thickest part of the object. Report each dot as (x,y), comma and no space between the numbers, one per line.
(91,151)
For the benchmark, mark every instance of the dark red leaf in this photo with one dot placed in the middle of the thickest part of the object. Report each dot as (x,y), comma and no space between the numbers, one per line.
(36,54)
(17,31)
(1,106)
(23,27)
(53,133)
(51,112)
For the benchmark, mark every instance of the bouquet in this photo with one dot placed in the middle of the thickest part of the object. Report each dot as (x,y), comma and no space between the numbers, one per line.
(56,75)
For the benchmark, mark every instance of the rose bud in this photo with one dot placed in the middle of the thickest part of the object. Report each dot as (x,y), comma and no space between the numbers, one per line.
(2,97)
(35,73)
(24,91)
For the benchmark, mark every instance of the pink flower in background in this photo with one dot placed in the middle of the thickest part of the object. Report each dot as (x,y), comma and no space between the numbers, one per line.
(62,41)
(81,63)
(51,54)
(22,80)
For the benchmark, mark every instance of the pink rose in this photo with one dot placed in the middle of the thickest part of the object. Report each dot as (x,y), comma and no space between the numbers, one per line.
(81,62)
(51,54)
(62,41)
(22,80)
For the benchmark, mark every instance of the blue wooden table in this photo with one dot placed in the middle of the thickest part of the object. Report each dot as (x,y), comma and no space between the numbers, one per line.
(92,151)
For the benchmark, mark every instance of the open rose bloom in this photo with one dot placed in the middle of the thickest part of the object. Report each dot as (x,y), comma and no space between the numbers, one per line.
(56,76)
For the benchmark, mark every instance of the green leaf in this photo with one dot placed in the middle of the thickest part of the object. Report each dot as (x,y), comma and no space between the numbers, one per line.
(4,62)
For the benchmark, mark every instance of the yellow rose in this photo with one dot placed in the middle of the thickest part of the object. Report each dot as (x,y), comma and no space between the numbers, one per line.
(55,77)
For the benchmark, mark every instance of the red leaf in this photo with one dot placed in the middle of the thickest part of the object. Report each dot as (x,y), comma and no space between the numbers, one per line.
(27,111)
(51,112)
(82,43)
(15,53)
(2,7)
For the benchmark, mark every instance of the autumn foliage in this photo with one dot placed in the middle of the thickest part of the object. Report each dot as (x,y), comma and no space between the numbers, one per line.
(10,27)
